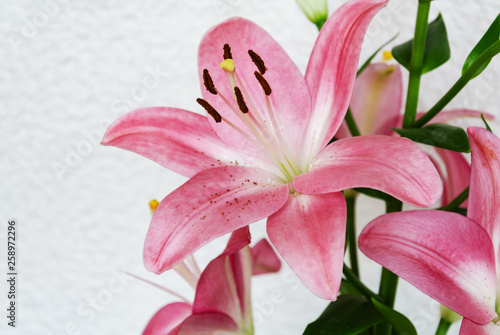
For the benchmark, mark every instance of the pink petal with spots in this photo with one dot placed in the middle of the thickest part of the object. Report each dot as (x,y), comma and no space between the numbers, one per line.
(212,203)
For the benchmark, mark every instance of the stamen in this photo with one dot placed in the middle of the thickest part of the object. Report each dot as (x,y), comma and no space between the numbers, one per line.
(210,110)
(208,82)
(227,52)
(160,287)
(263,82)
(239,99)
(257,61)
(153,204)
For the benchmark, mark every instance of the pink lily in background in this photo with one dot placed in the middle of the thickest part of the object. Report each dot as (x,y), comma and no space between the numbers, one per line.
(376,105)
(262,151)
(377,102)
(452,258)
(222,304)
(457,176)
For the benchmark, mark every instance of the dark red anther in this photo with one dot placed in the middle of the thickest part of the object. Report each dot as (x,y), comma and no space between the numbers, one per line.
(227,52)
(239,99)
(208,82)
(257,61)
(210,110)
(263,82)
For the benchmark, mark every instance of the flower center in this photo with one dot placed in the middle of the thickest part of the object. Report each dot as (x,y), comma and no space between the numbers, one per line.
(260,125)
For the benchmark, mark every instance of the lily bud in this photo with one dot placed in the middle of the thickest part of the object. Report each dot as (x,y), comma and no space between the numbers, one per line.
(315,10)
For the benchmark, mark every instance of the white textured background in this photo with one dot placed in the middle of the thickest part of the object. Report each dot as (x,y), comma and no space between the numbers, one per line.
(70,67)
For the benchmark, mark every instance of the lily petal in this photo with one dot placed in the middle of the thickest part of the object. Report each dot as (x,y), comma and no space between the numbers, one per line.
(394,165)
(471,328)
(445,255)
(290,97)
(209,323)
(484,195)
(167,319)
(265,259)
(331,71)
(212,203)
(309,233)
(224,287)
(377,99)
(458,175)
(179,140)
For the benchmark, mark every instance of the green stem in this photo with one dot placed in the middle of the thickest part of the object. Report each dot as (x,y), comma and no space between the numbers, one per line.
(388,280)
(467,76)
(351,123)
(443,327)
(351,233)
(455,203)
(354,280)
(417,62)
(320,23)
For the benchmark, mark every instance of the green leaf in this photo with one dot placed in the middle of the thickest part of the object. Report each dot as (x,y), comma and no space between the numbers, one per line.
(437,48)
(347,288)
(348,315)
(399,322)
(439,135)
(491,36)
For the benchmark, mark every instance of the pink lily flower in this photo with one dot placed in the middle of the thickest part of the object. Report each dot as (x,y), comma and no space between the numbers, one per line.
(377,102)
(262,151)
(222,304)
(452,258)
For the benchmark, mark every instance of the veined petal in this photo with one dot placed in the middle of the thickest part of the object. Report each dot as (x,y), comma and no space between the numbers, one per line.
(309,233)
(458,175)
(445,255)
(484,195)
(209,323)
(377,99)
(181,141)
(332,69)
(166,320)
(471,328)
(212,203)
(394,165)
(290,97)
(264,258)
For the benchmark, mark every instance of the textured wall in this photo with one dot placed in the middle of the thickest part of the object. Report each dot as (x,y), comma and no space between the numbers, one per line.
(69,68)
